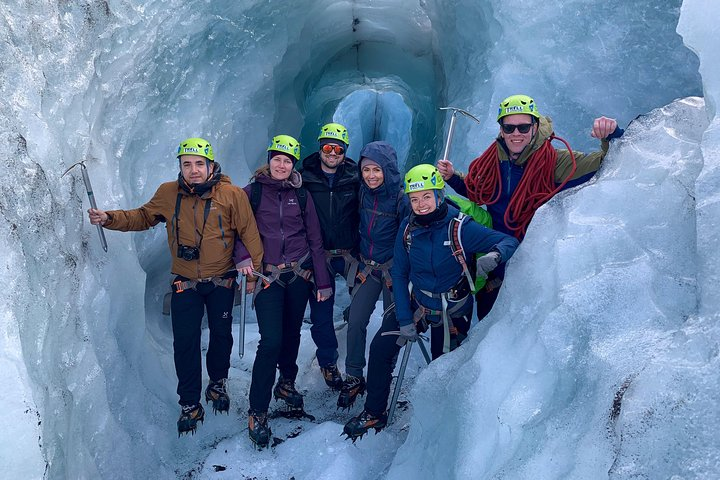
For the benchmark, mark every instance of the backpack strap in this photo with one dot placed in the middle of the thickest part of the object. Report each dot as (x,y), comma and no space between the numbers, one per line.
(255,195)
(456,246)
(407,237)
(454,242)
(301,195)
(176,217)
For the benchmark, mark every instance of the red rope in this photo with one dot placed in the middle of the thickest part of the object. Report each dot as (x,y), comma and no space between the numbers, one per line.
(536,186)
(483,181)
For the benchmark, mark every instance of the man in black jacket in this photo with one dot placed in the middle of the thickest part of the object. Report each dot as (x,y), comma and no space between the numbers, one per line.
(333,181)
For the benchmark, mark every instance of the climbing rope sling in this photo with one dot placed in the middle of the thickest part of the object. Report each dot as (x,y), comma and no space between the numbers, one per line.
(537,185)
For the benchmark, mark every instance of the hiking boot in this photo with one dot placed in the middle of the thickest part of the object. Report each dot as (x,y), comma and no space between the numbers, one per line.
(351,388)
(189,416)
(258,428)
(332,376)
(216,392)
(285,390)
(358,426)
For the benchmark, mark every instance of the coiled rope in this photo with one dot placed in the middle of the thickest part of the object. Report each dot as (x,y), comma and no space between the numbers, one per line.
(537,185)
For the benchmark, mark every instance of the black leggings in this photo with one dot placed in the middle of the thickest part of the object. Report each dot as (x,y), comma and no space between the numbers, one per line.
(383,356)
(280,313)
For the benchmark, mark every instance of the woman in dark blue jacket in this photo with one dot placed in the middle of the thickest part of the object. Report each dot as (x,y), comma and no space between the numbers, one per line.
(382,207)
(440,296)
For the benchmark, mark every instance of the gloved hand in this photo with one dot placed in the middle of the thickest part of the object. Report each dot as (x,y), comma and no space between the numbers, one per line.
(408,333)
(487,263)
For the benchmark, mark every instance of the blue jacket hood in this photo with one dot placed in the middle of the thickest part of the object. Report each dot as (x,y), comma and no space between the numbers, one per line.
(381,209)
(384,155)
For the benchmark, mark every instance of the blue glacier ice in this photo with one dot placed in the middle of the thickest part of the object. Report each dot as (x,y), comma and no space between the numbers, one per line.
(600,359)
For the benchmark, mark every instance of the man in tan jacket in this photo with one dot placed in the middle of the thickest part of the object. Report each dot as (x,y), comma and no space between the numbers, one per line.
(203,212)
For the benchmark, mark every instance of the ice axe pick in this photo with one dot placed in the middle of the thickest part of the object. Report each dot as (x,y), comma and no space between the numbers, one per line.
(451,130)
(93,204)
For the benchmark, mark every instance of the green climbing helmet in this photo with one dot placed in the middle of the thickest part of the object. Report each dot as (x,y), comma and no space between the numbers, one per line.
(334,131)
(515,104)
(196,146)
(423,177)
(285,144)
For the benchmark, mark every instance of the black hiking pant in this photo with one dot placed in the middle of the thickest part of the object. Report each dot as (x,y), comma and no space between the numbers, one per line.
(187,309)
(322,329)
(384,352)
(485,301)
(280,313)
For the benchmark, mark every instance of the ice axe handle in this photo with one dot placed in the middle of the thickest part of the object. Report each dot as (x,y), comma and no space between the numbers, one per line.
(91,197)
(93,204)
(398,382)
(451,130)
(241,334)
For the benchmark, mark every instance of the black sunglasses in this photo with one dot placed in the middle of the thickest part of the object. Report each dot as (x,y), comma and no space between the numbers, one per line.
(522,128)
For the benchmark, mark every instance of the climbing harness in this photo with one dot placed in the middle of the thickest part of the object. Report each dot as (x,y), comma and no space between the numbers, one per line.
(179,286)
(273,273)
(370,267)
(351,264)
(452,301)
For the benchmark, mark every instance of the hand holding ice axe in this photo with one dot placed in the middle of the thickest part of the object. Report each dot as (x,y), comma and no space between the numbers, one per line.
(444,165)
(91,197)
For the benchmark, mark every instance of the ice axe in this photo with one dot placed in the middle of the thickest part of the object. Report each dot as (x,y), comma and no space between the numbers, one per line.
(90,195)
(401,373)
(241,336)
(451,130)
(398,382)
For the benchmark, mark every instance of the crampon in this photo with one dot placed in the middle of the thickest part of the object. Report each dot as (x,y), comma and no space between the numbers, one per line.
(216,392)
(358,426)
(189,416)
(351,388)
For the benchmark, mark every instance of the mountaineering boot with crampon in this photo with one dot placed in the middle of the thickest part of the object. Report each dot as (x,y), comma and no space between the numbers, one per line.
(216,392)
(258,428)
(189,416)
(285,390)
(332,376)
(358,426)
(351,388)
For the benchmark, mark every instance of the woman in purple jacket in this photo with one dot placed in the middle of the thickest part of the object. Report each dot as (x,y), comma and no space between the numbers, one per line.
(293,250)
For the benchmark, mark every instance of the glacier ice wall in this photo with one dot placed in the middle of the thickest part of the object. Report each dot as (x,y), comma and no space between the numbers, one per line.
(86,356)
(605,367)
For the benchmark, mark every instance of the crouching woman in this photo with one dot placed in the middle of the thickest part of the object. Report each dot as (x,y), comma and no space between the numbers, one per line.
(432,250)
